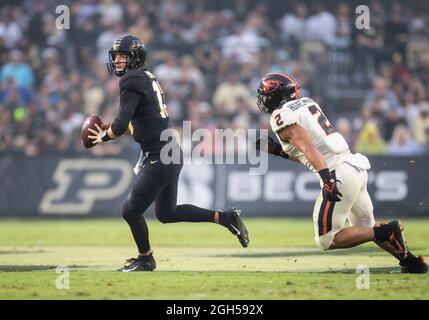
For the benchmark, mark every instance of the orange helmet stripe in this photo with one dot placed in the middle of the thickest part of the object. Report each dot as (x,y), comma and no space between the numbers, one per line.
(290,79)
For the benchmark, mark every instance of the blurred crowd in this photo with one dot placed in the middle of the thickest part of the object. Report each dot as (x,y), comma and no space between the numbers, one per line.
(209,57)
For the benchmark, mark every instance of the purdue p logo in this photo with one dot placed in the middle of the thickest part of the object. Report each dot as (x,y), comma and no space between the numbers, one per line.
(82,182)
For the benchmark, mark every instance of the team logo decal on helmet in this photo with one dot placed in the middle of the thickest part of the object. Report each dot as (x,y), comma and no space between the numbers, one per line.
(133,48)
(275,88)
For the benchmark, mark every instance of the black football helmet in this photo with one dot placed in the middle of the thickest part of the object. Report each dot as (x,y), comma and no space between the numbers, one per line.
(275,88)
(131,46)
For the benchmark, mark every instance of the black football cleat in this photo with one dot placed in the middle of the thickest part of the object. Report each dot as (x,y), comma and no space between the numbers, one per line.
(231,219)
(412,264)
(142,263)
(397,239)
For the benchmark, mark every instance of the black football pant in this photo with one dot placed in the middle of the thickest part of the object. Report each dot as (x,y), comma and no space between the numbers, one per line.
(158,183)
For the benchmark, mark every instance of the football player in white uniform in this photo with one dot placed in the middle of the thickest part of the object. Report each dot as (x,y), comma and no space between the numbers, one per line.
(306,136)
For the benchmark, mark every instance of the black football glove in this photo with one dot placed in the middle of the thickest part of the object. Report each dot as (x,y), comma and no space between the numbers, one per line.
(270,145)
(329,191)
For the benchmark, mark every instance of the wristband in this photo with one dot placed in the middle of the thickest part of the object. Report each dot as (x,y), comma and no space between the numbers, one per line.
(105,137)
(325,174)
(277,149)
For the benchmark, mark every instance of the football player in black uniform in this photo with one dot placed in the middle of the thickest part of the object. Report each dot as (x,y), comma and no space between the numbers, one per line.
(143,114)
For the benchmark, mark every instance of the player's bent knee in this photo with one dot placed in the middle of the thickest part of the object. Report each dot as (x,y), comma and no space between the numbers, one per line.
(325,241)
(366,222)
(129,212)
(166,218)
(165,214)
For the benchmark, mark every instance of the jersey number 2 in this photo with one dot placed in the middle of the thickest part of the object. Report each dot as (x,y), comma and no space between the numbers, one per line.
(279,121)
(160,98)
(321,119)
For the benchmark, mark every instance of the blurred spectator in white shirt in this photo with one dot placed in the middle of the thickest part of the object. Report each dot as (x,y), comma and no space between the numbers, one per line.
(293,24)
(321,25)
(227,95)
(382,96)
(402,143)
(344,127)
(191,72)
(111,12)
(10,30)
(343,26)
(105,41)
(421,123)
(244,45)
(168,72)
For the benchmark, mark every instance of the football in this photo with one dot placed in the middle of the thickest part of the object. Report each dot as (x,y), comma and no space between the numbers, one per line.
(89,123)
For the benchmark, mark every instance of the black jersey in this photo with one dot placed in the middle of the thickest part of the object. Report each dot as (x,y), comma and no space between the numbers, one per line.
(142,110)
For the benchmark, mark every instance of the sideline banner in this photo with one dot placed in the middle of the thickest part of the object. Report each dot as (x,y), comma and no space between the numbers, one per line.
(53,185)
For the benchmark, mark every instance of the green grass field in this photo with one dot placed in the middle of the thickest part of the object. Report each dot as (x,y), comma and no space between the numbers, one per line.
(198,261)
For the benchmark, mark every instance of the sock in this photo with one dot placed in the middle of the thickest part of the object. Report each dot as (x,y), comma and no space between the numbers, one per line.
(140,233)
(381,233)
(146,255)
(223,219)
(190,213)
(145,258)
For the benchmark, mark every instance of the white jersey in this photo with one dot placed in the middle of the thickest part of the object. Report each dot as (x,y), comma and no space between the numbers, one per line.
(350,169)
(308,114)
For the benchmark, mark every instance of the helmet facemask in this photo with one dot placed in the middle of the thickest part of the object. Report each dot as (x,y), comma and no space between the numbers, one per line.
(134,50)
(112,66)
(270,95)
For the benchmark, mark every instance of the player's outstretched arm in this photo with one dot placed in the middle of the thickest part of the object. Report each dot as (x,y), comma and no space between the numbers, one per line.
(300,138)
(269,145)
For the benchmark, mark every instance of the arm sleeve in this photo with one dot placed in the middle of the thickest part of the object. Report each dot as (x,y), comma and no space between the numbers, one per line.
(129,100)
(281,118)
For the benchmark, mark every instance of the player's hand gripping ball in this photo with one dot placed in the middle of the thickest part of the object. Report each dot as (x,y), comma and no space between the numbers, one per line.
(90,123)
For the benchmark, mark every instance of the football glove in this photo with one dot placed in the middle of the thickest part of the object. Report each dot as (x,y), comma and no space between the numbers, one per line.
(329,191)
(269,145)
